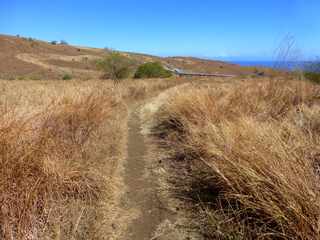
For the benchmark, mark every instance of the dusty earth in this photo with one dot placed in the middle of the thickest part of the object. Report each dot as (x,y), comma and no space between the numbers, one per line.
(153,215)
(142,197)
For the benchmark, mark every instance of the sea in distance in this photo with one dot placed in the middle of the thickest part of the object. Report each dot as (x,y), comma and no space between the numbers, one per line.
(289,66)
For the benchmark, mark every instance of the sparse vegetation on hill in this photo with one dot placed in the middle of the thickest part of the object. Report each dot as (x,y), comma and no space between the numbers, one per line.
(246,158)
(152,70)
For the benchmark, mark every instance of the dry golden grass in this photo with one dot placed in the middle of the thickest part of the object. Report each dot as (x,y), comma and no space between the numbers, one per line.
(247,155)
(61,143)
(50,170)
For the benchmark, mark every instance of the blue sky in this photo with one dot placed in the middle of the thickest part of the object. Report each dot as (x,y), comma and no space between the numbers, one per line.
(225,29)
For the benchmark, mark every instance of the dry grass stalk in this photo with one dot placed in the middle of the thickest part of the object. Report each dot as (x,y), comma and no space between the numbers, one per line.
(249,156)
(44,163)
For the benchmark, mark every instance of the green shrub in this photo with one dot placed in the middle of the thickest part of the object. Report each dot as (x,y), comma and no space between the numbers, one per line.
(312,76)
(115,66)
(67,77)
(54,42)
(152,70)
(312,71)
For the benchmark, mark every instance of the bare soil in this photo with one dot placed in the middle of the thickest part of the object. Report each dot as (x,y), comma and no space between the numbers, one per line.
(141,195)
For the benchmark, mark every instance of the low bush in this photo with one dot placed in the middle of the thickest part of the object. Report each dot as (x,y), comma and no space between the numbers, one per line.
(312,76)
(152,70)
(67,77)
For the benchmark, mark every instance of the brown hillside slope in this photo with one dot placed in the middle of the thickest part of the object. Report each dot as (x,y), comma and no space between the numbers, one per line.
(27,58)
(12,67)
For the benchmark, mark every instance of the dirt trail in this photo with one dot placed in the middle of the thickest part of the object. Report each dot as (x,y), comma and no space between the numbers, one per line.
(141,196)
(34,59)
(151,214)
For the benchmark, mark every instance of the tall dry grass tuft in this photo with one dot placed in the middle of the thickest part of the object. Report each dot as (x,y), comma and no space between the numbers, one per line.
(61,146)
(248,156)
(45,164)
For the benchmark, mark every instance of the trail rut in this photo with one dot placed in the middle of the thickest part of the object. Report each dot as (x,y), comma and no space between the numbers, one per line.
(141,195)
(30,58)
(152,215)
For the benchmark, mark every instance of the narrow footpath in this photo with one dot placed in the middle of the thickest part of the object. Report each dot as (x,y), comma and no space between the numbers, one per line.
(141,193)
